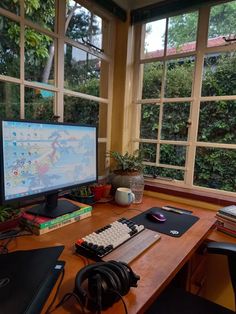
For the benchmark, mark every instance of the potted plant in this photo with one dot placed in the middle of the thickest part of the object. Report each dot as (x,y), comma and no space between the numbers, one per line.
(129,167)
(9,217)
(82,194)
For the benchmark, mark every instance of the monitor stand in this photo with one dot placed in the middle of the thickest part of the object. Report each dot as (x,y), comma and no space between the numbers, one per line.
(53,207)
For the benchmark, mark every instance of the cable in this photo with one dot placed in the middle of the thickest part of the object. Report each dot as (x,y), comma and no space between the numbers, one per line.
(56,293)
(117,293)
(65,298)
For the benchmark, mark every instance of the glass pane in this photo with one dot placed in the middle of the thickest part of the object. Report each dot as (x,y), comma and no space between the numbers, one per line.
(179,77)
(152,79)
(219,74)
(82,72)
(39,104)
(175,121)
(87,112)
(172,154)
(9,47)
(9,100)
(215,168)
(168,174)
(83,25)
(12,6)
(222,23)
(182,33)
(149,123)
(154,39)
(217,122)
(41,12)
(39,57)
(149,150)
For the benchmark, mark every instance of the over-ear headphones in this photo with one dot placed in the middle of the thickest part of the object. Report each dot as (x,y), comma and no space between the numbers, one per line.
(106,283)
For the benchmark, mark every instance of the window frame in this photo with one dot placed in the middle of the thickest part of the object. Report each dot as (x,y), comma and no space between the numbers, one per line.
(60,38)
(195,99)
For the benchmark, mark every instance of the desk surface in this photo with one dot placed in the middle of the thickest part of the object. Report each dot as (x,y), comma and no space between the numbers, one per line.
(156,267)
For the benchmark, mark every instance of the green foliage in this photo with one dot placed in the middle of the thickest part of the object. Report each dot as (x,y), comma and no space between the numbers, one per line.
(128,162)
(7,213)
(83,191)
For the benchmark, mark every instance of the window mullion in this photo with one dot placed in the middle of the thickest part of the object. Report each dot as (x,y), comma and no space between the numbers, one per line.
(197,83)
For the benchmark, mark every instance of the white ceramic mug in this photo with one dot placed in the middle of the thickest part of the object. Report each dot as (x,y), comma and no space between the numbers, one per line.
(124,196)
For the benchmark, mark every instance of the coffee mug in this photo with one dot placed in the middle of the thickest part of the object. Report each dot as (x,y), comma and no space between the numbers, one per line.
(124,196)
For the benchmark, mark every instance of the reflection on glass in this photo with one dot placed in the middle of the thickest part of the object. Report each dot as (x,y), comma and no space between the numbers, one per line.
(168,174)
(222,23)
(175,121)
(215,168)
(154,39)
(82,71)
(179,77)
(219,74)
(39,104)
(182,33)
(41,12)
(83,25)
(217,123)
(152,79)
(149,122)
(149,150)
(9,100)
(12,6)
(39,57)
(9,47)
(172,154)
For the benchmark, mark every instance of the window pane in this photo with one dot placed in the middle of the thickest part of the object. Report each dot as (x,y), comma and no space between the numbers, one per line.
(154,39)
(219,74)
(168,174)
(215,168)
(152,79)
(172,154)
(39,104)
(149,150)
(12,6)
(182,33)
(39,57)
(175,121)
(222,23)
(149,123)
(83,26)
(85,111)
(217,122)
(41,12)
(82,72)
(179,77)
(9,47)
(9,100)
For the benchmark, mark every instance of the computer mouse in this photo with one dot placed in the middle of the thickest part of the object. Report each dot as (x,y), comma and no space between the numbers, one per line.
(156,216)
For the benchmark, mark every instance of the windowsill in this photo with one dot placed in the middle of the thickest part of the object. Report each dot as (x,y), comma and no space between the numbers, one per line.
(192,194)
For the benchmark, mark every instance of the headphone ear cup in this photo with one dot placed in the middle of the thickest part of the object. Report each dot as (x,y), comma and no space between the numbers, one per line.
(133,278)
(122,275)
(107,285)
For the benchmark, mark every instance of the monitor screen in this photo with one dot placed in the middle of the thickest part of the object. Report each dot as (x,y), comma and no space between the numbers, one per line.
(41,158)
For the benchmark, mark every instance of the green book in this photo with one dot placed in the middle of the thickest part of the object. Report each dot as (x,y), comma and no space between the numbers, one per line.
(45,222)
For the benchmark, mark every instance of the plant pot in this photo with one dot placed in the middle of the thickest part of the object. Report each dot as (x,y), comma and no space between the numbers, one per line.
(123,179)
(98,192)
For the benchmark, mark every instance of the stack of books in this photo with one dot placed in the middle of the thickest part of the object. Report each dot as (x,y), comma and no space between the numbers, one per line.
(226,220)
(40,225)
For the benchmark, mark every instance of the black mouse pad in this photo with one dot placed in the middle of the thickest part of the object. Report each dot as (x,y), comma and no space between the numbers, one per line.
(175,225)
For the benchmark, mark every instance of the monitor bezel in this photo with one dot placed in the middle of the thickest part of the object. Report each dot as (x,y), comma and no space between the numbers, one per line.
(43,194)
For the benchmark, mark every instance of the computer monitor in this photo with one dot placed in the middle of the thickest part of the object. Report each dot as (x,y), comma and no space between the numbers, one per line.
(45,158)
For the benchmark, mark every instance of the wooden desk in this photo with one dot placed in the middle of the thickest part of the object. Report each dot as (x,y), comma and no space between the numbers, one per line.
(156,267)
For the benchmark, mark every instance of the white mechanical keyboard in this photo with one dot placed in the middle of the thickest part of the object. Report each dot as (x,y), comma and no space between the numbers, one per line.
(103,241)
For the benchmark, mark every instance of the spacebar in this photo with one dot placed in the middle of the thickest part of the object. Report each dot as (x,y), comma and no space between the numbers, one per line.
(131,249)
